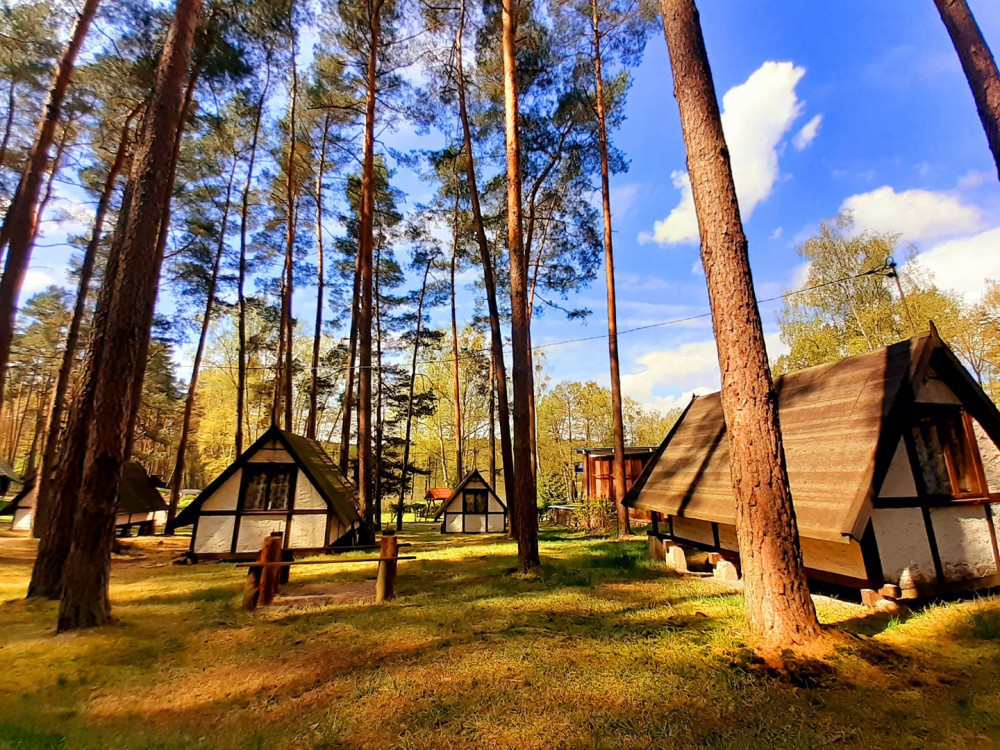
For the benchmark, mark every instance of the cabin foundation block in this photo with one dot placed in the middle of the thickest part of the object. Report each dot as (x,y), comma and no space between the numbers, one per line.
(725,571)
(677,559)
(657,551)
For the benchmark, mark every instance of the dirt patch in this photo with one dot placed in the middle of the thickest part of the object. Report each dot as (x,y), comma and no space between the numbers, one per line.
(353,592)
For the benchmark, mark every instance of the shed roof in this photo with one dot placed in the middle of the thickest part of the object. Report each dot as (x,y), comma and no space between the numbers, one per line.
(338,492)
(438,493)
(840,424)
(136,494)
(630,450)
(474,474)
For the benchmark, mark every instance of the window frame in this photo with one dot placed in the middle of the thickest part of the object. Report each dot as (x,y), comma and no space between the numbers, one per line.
(271,470)
(475,492)
(939,414)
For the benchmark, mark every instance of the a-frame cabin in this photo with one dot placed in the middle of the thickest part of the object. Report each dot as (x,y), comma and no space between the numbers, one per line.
(473,508)
(282,483)
(885,454)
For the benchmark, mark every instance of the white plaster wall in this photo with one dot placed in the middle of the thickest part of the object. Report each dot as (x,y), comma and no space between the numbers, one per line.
(307,531)
(493,505)
(226,496)
(475,484)
(214,534)
(496,523)
(693,530)
(902,543)
(834,557)
(307,497)
(899,479)
(963,540)
(273,452)
(22,519)
(990,455)
(454,523)
(253,530)
(475,523)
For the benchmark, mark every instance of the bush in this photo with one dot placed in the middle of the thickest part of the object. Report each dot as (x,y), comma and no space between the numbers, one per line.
(595,513)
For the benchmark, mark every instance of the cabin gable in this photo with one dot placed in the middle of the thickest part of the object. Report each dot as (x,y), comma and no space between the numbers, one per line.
(473,508)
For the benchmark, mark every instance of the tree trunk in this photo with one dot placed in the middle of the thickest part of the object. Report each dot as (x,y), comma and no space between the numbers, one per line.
(8,124)
(409,401)
(489,278)
(459,470)
(241,324)
(16,231)
(779,608)
(318,330)
(523,507)
(493,424)
(39,429)
(377,473)
(365,247)
(213,282)
(343,460)
(979,66)
(618,464)
(123,335)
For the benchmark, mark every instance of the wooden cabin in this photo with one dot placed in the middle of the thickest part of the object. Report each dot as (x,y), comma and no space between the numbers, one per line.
(7,477)
(282,483)
(885,454)
(473,508)
(598,471)
(140,504)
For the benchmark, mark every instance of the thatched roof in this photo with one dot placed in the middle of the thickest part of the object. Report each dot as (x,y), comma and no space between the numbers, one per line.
(339,494)
(840,423)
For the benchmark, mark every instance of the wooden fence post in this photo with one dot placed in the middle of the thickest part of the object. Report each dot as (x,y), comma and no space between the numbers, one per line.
(386,581)
(270,575)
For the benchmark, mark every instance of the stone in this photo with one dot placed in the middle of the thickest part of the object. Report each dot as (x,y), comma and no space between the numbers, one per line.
(726,571)
(677,559)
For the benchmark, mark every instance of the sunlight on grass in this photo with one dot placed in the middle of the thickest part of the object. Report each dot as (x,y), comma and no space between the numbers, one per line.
(600,648)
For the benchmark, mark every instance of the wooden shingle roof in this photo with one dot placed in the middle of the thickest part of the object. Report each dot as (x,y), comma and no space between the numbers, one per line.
(136,493)
(840,424)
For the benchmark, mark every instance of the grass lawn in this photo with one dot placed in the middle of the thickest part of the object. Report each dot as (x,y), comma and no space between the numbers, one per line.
(600,649)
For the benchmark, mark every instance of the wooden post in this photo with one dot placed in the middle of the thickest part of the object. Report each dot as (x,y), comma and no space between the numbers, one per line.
(251,591)
(270,576)
(385,584)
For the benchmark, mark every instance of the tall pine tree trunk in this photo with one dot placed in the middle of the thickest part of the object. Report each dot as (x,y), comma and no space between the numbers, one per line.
(618,463)
(409,400)
(16,232)
(318,329)
(456,385)
(213,283)
(366,484)
(489,277)
(779,608)
(241,300)
(524,505)
(8,123)
(379,427)
(979,66)
(122,336)
(343,459)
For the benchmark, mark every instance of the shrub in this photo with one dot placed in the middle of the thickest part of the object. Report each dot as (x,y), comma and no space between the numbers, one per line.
(595,513)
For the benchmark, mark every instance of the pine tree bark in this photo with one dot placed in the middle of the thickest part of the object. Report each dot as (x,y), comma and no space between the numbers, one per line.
(213,283)
(779,608)
(365,247)
(618,463)
(16,232)
(489,277)
(318,328)
(409,400)
(241,300)
(979,65)
(524,505)
(343,459)
(456,385)
(379,427)
(122,336)
(8,124)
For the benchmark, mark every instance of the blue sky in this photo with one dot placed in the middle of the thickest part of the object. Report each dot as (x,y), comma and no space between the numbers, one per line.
(853,104)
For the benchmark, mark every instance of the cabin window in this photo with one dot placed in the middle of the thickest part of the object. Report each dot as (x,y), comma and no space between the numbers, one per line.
(947,454)
(267,487)
(475,501)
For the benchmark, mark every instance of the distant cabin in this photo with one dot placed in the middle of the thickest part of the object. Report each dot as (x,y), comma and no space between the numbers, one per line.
(597,466)
(473,508)
(140,504)
(885,454)
(7,476)
(282,483)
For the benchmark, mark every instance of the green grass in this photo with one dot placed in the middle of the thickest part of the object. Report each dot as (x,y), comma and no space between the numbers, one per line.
(599,648)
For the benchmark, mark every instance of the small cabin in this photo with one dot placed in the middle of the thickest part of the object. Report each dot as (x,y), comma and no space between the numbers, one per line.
(282,483)
(140,504)
(597,465)
(473,508)
(887,455)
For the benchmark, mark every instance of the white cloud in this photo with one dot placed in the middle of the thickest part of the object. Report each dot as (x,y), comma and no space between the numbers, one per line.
(972,179)
(777,233)
(807,134)
(917,215)
(37,279)
(964,265)
(756,117)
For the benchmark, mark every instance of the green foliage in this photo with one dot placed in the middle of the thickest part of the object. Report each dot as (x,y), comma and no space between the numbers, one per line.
(595,514)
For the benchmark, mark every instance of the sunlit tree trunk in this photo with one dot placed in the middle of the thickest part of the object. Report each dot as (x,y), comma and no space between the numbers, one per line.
(379,427)
(366,484)
(489,277)
(16,232)
(121,337)
(523,505)
(343,460)
(318,329)
(618,463)
(456,386)
(979,66)
(779,608)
